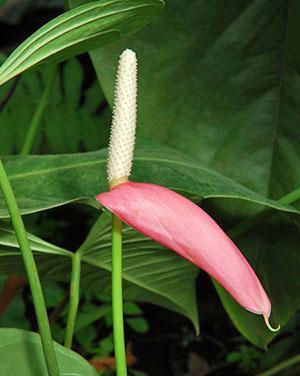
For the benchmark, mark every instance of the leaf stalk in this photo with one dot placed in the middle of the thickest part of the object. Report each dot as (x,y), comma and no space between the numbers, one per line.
(32,274)
(117,298)
(38,115)
(74,298)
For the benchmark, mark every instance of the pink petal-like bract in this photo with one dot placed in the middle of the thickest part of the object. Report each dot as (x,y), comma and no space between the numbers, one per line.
(177,223)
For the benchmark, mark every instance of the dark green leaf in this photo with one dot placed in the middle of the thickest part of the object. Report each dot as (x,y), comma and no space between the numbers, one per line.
(89,26)
(273,250)
(219,80)
(21,354)
(43,182)
(226,90)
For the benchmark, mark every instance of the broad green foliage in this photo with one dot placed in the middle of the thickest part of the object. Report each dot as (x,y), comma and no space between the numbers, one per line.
(91,25)
(69,123)
(220,81)
(273,250)
(151,273)
(43,182)
(52,260)
(226,90)
(21,354)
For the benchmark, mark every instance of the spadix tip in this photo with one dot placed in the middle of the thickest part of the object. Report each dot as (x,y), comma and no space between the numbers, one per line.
(266,318)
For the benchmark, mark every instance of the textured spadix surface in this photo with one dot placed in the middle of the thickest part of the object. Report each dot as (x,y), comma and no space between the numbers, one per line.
(177,223)
(122,134)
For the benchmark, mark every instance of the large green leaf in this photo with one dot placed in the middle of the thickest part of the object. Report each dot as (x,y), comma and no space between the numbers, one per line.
(226,90)
(21,354)
(219,80)
(273,250)
(150,272)
(43,182)
(70,122)
(91,25)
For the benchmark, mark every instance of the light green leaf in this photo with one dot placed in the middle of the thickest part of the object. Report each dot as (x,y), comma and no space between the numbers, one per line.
(52,260)
(21,354)
(138,324)
(91,25)
(131,309)
(43,182)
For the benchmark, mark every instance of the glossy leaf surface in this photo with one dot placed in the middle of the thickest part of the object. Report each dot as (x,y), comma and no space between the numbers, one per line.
(21,354)
(91,25)
(43,182)
(151,273)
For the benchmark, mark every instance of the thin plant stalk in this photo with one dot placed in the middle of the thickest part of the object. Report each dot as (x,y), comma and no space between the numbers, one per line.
(281,366)
(32,274)
(117,298)
(74,298)
(38,115)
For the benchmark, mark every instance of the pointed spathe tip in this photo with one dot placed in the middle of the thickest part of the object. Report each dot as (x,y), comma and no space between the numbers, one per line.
(266,318)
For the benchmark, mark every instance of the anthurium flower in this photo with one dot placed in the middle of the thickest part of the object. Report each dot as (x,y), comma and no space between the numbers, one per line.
(167,217)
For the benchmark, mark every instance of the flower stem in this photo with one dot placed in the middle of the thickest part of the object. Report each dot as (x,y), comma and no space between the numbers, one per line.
(74,298)
(37,117)
(117,299)
(32,273)
(281,366)
(250,222)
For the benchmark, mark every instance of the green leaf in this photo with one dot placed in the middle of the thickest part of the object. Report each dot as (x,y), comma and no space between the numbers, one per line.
(70,123)
(170,285)
(89,26)
(131,308)
(150,272)
(224,90)
(52,260)
(273,250)
(43,182)
(227,91)
(138,324)
(21,354)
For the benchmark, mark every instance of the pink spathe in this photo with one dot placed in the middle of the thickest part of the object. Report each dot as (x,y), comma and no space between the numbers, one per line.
(177,223)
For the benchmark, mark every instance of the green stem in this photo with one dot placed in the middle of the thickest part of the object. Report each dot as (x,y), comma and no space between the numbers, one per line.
(250,222)
(291,197)
(32,273)
(280,367)
(74,298)
(117,299)
(37,117)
